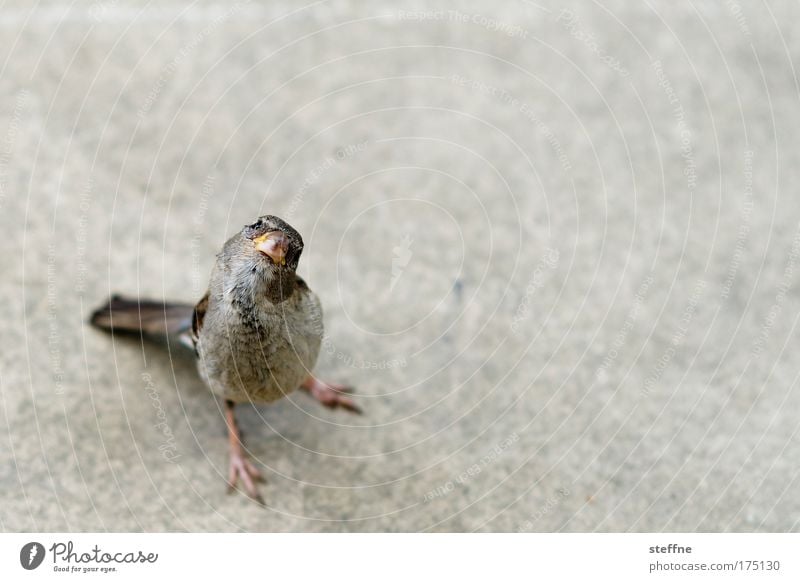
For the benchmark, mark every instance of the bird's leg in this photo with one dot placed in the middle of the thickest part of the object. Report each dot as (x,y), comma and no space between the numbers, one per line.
(331,395)
(240,465)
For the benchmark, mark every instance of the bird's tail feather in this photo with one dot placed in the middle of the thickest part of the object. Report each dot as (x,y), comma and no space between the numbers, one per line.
(137,316)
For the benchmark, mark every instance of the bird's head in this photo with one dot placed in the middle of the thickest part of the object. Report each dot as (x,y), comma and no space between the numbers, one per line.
(275,244)
(262,260)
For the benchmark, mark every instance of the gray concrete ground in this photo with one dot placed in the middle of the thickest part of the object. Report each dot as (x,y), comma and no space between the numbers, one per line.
(558,253)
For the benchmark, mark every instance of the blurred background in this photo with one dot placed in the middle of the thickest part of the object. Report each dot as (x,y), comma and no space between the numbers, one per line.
(557,247)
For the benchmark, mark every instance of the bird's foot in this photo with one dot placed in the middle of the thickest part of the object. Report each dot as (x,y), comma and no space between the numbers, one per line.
(242,467)
(331,395)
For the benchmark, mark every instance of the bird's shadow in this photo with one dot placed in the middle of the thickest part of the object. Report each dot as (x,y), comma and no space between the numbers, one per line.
(169,355)
(165,354)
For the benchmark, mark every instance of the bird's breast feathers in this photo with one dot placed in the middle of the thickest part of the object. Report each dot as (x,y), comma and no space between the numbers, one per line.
(259,356)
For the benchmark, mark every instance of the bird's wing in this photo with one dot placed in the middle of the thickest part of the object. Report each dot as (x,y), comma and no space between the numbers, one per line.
(300,286)
(198,316)
(300,283)
(313,307)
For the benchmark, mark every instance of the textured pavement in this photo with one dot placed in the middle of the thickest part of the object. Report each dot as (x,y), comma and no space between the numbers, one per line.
(557,250)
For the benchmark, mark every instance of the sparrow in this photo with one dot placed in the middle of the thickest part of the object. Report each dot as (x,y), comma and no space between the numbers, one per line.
(256,332)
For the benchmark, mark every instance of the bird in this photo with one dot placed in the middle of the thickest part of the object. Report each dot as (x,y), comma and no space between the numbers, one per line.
(256,333)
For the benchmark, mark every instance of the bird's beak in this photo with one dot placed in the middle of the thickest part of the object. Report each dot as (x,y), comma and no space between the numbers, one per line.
(273,244)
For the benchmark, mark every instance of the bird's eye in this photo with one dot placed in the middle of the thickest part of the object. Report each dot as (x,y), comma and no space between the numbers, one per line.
(253,230)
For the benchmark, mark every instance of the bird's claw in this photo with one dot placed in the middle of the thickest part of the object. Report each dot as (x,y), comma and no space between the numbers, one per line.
(331,395)
(241,466)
